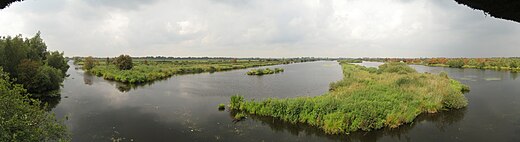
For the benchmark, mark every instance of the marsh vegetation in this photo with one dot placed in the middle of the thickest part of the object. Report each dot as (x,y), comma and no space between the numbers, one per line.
(509,64)
(123,69)
(365,99)
(264,71)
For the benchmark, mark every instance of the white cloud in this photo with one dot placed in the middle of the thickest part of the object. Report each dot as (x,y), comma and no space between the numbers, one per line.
(262,28)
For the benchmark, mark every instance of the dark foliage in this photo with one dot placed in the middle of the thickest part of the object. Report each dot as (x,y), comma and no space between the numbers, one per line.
(124,62)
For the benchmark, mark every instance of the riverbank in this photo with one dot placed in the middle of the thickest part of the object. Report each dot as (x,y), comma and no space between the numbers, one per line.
(365,99)
(144,71)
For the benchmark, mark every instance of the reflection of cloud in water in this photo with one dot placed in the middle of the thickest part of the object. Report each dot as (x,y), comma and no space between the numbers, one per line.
(121,123)
(492,79)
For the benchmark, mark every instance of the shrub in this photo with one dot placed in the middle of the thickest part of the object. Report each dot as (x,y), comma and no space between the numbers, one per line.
(396,67)
(124,62)
(455,63)
(89,63)
(22,119)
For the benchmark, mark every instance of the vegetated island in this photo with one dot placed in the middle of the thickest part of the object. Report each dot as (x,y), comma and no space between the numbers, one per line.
(508,64)
(365,99)
(264,71)
(141,70)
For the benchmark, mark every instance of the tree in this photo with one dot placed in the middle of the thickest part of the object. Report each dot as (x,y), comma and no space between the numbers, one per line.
(23,119)
(27,71)
(89,63)
(28,61)
(56,60)
(37,50)
(124,62)
(37,78)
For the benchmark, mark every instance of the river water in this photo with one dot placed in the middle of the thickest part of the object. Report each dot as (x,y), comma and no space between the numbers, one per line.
(184,107)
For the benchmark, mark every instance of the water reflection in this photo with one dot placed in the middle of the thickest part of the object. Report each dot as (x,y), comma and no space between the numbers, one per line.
(184,108)
(441,120)
(49,103)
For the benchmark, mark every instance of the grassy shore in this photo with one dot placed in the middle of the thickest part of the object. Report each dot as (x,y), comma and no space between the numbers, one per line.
(507,64)
(147,71)
(365,99)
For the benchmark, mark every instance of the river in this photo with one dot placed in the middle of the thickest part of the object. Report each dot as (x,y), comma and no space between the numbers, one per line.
(184,107)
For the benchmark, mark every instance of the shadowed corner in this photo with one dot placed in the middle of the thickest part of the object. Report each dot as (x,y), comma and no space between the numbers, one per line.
(503,9)
(6,3)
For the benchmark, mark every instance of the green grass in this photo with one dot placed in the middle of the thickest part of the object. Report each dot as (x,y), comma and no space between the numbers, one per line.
(365,99)
(240,116)
(221,106)
(264,71)
(156,70)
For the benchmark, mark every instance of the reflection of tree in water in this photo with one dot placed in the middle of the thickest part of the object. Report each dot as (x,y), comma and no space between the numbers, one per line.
(514,75)
(440,120)
(88,78)
(48,103)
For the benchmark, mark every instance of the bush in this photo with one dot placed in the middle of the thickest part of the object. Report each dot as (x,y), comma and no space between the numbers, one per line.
(455,63)
(396,67)
(37,78)
(89,63)
(56,60)
(124,62)
(22,119)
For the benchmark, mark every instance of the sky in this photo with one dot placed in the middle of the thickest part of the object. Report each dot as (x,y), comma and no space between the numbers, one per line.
(263,28)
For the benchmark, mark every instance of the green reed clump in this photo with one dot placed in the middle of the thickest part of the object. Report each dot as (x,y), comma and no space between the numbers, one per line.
(364,100)
(264,71)
(221,106)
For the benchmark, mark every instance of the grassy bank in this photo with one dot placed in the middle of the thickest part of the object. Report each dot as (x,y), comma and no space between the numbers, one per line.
(365,99)
(148,71)
(508,64)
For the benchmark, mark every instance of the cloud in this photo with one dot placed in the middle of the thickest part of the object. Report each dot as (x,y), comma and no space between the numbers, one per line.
(263,28)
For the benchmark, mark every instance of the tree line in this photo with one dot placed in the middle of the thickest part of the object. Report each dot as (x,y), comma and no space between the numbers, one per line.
(26,67)
(28,62)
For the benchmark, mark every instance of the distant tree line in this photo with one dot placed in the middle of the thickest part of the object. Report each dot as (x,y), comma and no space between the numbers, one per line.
(29,63)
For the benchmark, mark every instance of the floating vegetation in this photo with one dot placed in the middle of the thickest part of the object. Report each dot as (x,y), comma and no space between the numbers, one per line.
(264,71)
(221,106)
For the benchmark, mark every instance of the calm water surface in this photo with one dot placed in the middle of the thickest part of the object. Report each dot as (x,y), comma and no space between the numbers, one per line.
(184,108)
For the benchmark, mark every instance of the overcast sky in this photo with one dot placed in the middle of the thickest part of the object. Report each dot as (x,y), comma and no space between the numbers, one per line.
(263,28)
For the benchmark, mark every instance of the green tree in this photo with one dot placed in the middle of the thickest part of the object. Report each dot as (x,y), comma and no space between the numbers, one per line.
(56,60)
(28,61)
(124,62)
(37,49)
(15,51)
(37,78)
(27,72)
(22,119)
(89,63)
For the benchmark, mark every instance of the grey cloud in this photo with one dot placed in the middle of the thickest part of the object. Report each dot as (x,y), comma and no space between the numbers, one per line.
(121,4)
(263,28)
